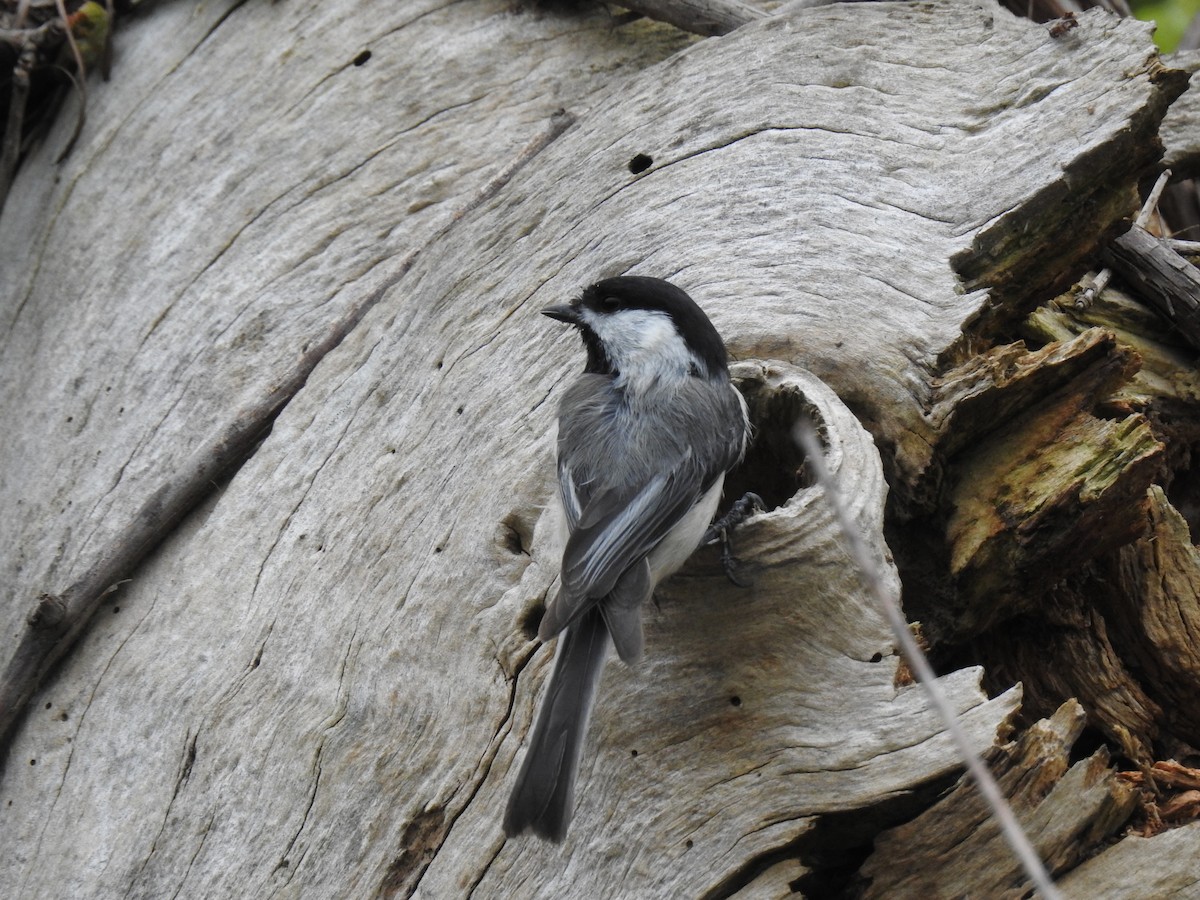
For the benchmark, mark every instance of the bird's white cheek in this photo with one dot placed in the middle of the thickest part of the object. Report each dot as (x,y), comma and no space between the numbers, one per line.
(645,348)
(661,350)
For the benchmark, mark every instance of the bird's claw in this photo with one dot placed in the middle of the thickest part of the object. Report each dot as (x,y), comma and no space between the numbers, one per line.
(721,530)
(729,564)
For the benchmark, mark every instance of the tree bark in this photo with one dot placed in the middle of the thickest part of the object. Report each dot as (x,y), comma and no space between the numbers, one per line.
(319,679)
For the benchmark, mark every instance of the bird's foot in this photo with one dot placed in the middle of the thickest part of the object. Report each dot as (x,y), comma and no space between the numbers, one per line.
(722,530)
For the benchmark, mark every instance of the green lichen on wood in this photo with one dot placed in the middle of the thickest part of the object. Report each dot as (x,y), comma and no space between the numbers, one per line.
(1041,498)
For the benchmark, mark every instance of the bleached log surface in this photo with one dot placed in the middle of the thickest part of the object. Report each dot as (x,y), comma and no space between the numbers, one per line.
(1165,865)
(1181,127)
(320,684)
(247,226)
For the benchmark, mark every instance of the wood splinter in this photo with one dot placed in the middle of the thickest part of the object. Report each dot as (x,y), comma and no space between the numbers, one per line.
(1157,272)
(1097,284)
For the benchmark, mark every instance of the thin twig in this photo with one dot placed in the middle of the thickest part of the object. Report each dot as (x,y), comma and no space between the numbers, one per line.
(1151,203)
(917,661)
(1180,246)
(75,51)
(1089,294)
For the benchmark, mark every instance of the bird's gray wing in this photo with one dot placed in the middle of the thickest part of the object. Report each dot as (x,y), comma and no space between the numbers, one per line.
(605,556)
(623,487)
(619,527)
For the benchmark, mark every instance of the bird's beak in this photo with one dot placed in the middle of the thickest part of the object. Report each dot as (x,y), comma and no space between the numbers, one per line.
(564,312)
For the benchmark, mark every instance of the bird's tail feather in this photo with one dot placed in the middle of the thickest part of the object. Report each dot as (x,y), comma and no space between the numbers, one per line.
(543,797)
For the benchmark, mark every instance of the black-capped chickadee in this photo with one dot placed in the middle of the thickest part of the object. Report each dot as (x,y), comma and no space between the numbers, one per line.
(645,437)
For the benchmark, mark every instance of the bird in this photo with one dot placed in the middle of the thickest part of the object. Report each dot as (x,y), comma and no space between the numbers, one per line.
(646,435)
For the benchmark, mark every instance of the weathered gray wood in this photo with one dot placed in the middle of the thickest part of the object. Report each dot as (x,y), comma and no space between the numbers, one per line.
(121,349)
(704,17)
(1181,127)
(1165,865)
(57,620)
(319,684)
(1160,276)
(955,849)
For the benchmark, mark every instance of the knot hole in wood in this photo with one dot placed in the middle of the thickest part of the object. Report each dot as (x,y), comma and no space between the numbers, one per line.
(774,465)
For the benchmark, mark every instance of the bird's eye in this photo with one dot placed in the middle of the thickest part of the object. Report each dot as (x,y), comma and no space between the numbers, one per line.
(610,304)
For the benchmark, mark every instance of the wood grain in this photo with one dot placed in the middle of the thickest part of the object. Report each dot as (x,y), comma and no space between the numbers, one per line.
(319,681)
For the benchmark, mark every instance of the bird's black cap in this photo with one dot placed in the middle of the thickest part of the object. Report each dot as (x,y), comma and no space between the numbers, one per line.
(639,292)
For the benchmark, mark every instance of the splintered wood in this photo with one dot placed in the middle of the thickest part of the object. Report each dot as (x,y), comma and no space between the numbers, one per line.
(1068,810)
(1031,481)
(321,671)
(1161,277)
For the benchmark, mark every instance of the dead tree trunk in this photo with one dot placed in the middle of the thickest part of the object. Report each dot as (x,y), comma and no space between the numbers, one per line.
(306,247)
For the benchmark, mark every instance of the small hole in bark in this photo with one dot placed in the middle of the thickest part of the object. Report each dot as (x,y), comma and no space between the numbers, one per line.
(33,762)
(633,753)
(735,701)
(512,540)
(531,620)
(640,163)
(878,657)
(774,466)
(362,58)
(48,705)
(516,535)
(689,844)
